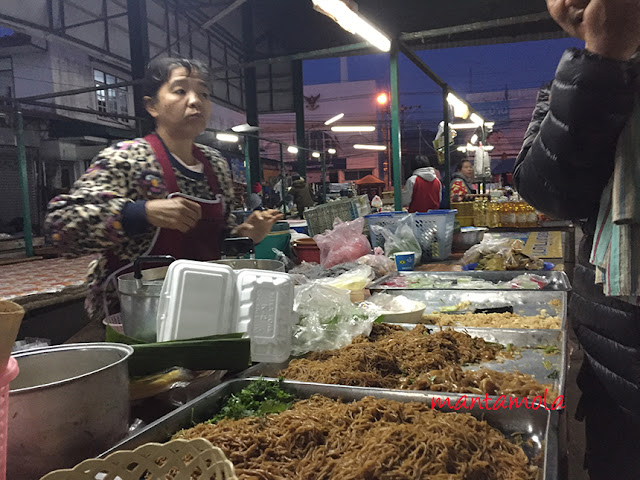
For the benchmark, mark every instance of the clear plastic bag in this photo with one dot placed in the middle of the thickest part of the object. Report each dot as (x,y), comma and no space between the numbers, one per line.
(403,240)
(345,243)
(381,265)
(328,319)
(356,279)
(489,245)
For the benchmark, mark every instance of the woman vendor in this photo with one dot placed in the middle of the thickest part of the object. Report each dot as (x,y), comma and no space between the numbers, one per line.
(158,195)
(461,181)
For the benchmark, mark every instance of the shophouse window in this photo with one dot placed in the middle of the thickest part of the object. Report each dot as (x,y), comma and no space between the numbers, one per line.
(114,100)
(6,79)
(353,175)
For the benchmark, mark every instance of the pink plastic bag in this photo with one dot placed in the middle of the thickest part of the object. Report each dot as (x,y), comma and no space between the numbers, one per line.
(345,243)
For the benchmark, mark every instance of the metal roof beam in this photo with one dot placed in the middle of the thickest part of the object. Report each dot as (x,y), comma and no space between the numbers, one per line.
(477,26)
(223,13)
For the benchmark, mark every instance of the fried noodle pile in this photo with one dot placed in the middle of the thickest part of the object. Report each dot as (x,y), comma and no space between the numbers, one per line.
(320,438)
(391,357)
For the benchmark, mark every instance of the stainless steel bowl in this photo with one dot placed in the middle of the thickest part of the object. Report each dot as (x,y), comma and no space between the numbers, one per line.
(68,403)
(240,263)
(467,238)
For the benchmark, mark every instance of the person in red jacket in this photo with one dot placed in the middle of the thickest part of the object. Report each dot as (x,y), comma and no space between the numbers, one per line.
(423,190)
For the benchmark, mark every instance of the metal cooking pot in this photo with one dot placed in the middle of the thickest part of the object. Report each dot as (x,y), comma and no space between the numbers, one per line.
(139,297)
(68,403)
(240,263)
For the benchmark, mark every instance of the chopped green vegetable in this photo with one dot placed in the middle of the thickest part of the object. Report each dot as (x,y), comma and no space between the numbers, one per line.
(258,399)
(546,365)
(509,347)
(555,374)
(548,349)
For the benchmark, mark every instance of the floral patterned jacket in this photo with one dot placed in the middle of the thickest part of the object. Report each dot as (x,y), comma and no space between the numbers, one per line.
(104,212)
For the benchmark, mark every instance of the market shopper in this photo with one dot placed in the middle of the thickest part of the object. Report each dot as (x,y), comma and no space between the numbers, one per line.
(578,161)
(161,194)
(254,201)
(423,190)
(461,181)
(301,195)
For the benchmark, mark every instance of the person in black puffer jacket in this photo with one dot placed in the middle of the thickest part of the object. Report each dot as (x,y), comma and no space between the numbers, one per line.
(566,161)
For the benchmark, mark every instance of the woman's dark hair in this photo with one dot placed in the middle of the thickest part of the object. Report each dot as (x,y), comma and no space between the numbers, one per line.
(159,70)
(461,164)
(420,161)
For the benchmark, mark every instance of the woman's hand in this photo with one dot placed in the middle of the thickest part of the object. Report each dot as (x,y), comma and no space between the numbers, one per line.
(609,28)
(173,213)
(259,224)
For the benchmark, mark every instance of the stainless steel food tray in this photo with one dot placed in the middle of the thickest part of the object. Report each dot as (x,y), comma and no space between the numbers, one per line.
(524,302)
(558,281)
(538,426)
(530,360)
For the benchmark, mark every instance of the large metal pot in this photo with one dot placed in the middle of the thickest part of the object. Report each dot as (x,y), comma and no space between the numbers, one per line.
(68,403)
(139,297)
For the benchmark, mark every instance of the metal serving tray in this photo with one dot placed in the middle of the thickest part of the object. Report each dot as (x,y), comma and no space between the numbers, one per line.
(524,302)
(530,360)
(538,426)
(558,281)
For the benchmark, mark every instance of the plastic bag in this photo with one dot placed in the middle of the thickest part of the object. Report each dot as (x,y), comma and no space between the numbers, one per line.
(403,240)
(381,265)
(356,279)
(384,303)
(490,245)
(328,319)
(345,243)
(288,263)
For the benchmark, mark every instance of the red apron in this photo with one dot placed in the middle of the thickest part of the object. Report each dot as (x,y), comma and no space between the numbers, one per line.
(203,242)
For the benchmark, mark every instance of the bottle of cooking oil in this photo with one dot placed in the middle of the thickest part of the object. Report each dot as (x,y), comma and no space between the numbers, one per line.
(480,212)
(508,215)
(532,217)
(493,214)
(521,215)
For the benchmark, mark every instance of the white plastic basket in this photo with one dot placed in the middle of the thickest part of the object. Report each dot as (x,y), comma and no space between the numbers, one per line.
(434,230)
(181,458)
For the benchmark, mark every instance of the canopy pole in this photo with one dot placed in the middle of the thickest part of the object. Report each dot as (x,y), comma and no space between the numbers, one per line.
(283,185)
(298,106)
(395,125)
(446,190)
(24,185)
(324,178)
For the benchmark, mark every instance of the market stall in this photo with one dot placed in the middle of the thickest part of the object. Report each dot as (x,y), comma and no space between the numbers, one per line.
(421,342)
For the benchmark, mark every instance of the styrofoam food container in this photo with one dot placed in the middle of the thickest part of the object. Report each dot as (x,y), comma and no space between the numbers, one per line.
(265,312)
(198,299)
(201,299)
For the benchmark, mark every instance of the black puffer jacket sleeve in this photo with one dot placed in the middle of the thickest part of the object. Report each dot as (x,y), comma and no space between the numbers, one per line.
(568,153)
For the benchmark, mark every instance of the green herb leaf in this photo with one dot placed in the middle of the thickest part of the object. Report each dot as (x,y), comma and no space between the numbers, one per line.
(258,399)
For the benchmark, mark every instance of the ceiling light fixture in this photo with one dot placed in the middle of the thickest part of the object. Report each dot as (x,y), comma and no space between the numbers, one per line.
(477,119)
(332,151)
(334,119)
(353,22)
(292,149)
(245,127)
(315,154)
(460,108)
(361,128)
(227,137)
(380,148)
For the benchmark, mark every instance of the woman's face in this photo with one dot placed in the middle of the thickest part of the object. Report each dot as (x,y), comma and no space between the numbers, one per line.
(467,170)
(182,106)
